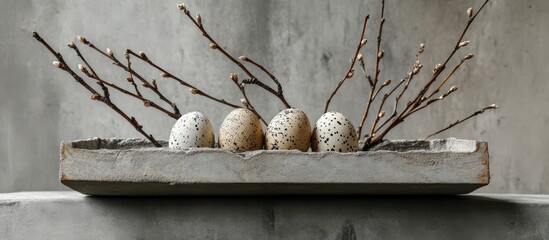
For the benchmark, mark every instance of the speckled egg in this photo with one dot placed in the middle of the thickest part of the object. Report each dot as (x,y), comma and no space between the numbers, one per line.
(241,131)
(192,130)
(289,129)
(334,132)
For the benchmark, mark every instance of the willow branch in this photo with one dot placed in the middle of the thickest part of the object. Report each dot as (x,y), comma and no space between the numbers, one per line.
(379,55)
(144,82)
(393,114)
(95,95)
(130,78)
(350,70)
(415,70)
(279,92)
(492,106)
(439,68)
(214,45)
(166,74)
(92,74)
(433,100)
(437,89)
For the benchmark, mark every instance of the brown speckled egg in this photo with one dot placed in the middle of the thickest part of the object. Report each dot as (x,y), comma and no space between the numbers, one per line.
(334,132)
(192,130)
(289,129)
(241,131)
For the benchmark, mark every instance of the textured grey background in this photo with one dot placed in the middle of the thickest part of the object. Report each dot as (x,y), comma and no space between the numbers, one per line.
(307,44)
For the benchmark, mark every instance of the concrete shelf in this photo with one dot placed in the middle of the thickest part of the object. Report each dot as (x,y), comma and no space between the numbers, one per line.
(70,215)
(132,167)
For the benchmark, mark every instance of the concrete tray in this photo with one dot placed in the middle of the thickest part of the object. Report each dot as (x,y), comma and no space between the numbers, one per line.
(132,167)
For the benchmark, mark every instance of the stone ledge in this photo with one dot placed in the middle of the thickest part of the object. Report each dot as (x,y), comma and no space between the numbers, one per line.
(120,167)
(70,215)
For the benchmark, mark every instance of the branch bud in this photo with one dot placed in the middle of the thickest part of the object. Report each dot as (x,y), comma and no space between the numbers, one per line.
(145,85)
(380,54)
(94,96)
(234,77)
(182,6)
(363,42)
(387,82)
(470,12)
(469,56)
(244,102)
(199,19)
(453,89)
(351,73)
(82,68)
(143,55)
(464,43)
(437,68)
(381,114)
(129,79)
(193,90)
(243,58)
(359,56)
(493,106)
(213,46)
(165,75)
(421,47)
(154,82)
(82,39)
(71,45)
(109,52)
(57,64)
(147,103)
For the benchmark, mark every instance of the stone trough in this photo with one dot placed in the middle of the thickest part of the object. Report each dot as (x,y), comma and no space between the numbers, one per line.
(124,167)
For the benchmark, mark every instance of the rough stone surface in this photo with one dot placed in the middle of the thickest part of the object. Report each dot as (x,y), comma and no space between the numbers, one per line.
(306,43)
(98,167)
(69,215)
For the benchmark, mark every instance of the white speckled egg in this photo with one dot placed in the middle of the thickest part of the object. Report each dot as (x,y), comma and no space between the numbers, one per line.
(241,131)
(289,129)
(334,132)
(192,130)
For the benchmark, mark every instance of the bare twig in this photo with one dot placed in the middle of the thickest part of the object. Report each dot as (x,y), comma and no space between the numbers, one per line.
(167,74)
(416,102)
(373,85)
(363,67)
(492,106)
(350,70)
(416,68)
(440,67)
(102,83)
(214,45)
(95,95)
(437,89)
(144,82)
(433,100)
(130,78)
(92,74)
(279,92)
(393,114)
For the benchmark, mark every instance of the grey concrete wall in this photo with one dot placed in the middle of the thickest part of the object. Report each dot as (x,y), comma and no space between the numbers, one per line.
(306,43)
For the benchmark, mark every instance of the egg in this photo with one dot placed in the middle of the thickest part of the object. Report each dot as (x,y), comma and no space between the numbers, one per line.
(241,131)
(192,130)
(334,132)
(289,129)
